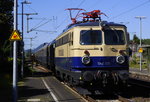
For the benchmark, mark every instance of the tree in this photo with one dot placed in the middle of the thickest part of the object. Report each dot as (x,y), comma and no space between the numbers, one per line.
(6,24)
(6,19)
(146,41)
(136,40)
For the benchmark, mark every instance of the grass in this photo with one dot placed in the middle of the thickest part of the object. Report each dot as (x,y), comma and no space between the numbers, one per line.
(135,63)
(138,66)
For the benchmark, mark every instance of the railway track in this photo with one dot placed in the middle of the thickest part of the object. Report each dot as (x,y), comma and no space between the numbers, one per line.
(139,82)
(131,95)
(91,98)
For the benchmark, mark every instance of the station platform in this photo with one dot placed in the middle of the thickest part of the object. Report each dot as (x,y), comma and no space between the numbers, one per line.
(138,74)
(42,86)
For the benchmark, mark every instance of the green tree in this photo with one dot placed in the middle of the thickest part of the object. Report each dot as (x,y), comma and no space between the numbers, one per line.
(146,41)
(6,24)
(136,39)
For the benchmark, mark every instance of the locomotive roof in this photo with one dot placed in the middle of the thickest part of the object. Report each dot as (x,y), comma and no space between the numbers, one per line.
(92,24)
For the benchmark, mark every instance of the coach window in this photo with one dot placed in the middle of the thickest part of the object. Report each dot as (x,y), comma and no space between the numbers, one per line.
(90,37)
(70,38)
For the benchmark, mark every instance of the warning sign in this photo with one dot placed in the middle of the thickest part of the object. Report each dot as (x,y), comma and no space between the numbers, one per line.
(15,36)
(140,50)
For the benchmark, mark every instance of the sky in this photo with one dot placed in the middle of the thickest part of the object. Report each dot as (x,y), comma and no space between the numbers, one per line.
(52,17)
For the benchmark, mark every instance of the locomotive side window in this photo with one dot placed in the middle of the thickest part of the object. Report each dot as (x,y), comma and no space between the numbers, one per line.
(65,39)
(71,38)
(114,37)
(90,37)
(62,40)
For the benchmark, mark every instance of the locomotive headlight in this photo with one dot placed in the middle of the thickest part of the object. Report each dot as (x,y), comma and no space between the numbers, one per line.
(86,59)
(120,59)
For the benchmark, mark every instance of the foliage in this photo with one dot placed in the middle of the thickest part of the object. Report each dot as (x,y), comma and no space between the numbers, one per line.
(6,22)
(136,39)
(135,62)
(146,41)
(5,52)
(6,19)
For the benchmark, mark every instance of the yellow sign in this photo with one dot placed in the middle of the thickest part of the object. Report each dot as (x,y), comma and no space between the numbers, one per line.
(140,50)
(15,36)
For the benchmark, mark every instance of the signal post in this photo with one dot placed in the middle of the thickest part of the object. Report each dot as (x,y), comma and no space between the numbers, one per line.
(14,37)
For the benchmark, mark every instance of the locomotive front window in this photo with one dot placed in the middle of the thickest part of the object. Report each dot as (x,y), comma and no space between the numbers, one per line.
(90,37)
(114,37)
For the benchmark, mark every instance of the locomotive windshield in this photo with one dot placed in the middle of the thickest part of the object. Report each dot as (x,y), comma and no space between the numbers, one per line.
(90,37)
(114,37)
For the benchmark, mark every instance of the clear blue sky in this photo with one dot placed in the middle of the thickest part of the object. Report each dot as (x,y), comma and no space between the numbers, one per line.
(117,11)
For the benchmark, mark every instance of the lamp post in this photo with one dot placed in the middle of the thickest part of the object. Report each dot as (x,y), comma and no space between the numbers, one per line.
(15,91)
(22,65)
(140,17)
(31,40)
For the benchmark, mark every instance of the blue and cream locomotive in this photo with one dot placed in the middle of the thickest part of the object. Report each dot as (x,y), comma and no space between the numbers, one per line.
(91,51)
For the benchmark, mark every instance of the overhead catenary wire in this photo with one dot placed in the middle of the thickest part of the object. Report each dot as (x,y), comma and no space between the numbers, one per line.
(129,10)
(81,3)
(46,31)
(32,9)
(95,3)
(68,16)
(115,5)
(40,25)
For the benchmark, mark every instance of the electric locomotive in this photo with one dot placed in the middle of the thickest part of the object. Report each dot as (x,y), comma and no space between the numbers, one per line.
(92,51)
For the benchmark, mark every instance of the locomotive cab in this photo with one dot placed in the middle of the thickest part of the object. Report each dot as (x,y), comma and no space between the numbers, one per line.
(100,52)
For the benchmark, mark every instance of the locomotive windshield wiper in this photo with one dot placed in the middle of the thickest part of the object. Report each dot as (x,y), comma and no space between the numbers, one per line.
(114,31)
(85,31)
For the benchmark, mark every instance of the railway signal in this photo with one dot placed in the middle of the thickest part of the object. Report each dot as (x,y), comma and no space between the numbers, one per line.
(140,50)
(15,36)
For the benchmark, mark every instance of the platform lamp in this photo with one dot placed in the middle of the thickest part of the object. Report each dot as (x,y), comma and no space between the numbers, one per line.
(140,17)
(22,65)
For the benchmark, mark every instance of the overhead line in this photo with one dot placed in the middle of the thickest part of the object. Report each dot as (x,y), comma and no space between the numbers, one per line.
(130,10)
(31,8)
(40,25)
(95,3)
(81,3)
(67,17)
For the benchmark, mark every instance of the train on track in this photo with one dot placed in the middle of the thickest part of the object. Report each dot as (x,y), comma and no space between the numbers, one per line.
(90,51)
